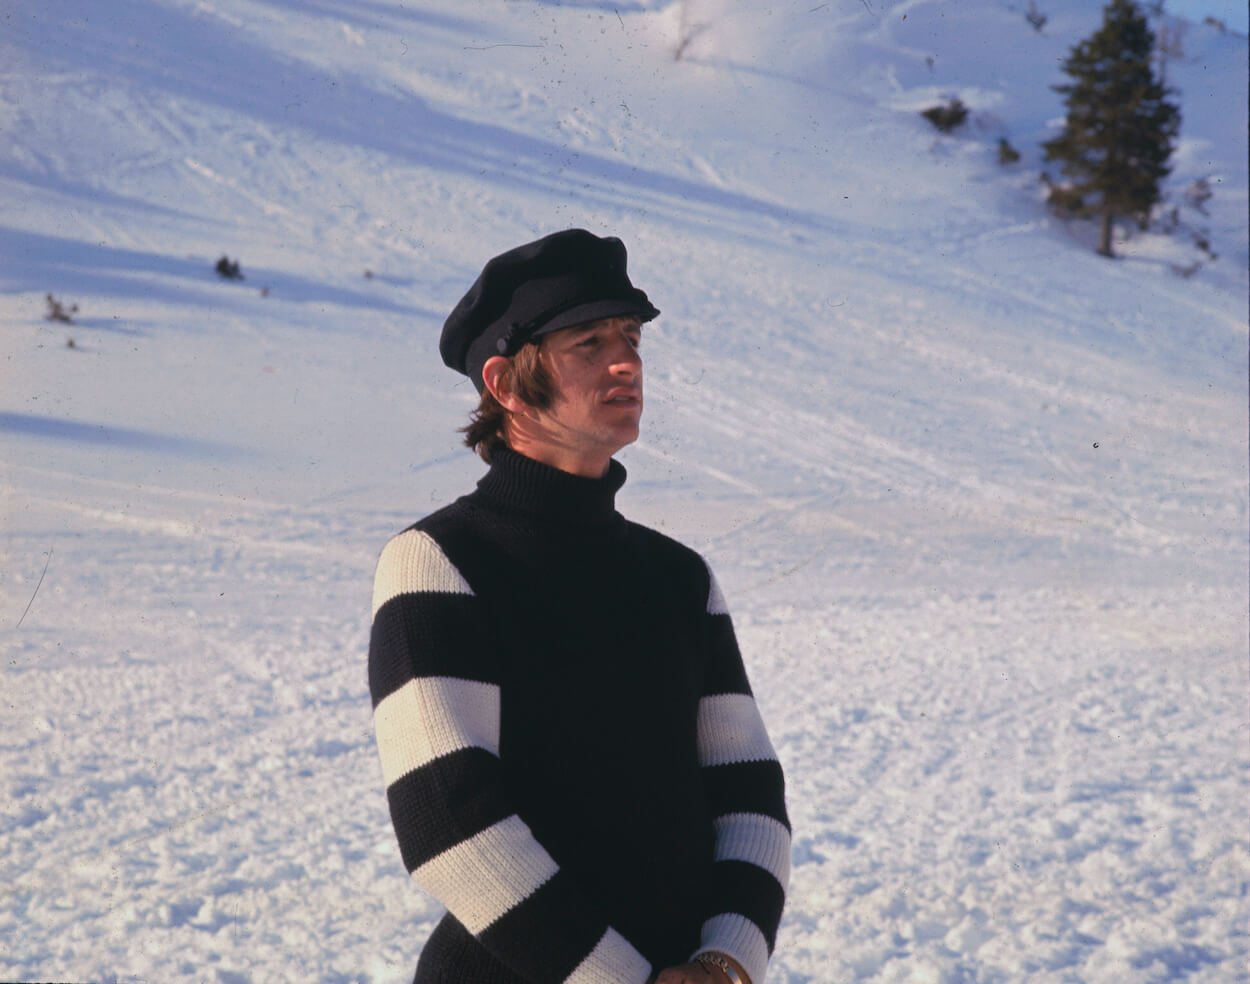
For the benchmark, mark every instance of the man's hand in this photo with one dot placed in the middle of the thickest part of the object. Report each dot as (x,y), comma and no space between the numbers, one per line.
(699,972)
(690,973)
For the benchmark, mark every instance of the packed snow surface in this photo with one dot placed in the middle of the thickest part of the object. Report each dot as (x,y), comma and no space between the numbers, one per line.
(977,497)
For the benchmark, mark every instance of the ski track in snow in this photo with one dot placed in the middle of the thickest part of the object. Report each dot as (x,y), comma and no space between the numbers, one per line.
(977,499)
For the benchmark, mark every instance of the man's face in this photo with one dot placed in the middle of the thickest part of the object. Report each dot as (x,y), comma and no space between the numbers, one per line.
(596,371)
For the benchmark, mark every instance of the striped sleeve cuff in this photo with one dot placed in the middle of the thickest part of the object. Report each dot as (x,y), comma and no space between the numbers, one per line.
(737,937)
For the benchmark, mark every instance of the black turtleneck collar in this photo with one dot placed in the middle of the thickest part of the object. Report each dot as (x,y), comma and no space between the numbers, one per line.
(525,486)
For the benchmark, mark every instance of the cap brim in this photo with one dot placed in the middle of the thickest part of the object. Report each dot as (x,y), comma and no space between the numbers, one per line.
(596,311)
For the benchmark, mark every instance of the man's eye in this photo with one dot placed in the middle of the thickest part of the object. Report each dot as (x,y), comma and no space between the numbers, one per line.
(590,341)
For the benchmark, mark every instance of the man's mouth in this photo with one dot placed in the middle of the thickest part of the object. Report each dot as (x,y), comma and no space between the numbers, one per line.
(624,398)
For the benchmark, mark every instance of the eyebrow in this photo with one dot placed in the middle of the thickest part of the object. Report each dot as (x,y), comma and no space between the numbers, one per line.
(602,323)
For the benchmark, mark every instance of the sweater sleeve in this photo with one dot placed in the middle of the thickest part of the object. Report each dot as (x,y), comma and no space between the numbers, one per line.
(746,788)
(436,711)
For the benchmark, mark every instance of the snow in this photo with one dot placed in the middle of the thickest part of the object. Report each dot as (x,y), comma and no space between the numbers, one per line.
(977,497)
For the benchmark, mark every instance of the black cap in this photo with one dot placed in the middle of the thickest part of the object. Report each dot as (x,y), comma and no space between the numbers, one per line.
(561,280)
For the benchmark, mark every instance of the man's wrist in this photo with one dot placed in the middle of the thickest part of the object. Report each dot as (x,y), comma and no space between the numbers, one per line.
(728,967)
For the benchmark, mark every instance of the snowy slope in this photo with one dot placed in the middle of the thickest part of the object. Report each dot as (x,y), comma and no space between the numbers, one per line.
(977,497)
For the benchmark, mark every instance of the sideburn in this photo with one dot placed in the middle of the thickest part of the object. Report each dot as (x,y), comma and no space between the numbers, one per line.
(487,427)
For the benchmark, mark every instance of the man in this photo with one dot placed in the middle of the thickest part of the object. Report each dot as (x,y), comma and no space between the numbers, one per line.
(574,764)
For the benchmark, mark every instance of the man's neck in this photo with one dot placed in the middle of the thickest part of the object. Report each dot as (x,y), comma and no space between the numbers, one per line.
(572,460)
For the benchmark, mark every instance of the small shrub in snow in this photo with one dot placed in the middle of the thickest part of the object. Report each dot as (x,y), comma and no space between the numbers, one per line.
(59,312)
(950,116)
(1198,194)
(1181,221)
(687,31)
(1203,242)
(1168,220)
(1065,200)
(1007,154)
(228,269)
(1035,17)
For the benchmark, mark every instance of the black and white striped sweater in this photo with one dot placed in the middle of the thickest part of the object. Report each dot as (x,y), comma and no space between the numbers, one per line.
(574,763)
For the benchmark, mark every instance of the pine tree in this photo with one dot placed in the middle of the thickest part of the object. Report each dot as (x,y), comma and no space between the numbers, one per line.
(1120,126)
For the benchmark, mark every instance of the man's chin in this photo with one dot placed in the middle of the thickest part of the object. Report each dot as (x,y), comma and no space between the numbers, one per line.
(625,436)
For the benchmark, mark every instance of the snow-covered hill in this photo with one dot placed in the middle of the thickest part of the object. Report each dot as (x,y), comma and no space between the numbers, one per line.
(977,497)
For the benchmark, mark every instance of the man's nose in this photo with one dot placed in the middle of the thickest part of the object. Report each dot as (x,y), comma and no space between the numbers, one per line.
(626,359)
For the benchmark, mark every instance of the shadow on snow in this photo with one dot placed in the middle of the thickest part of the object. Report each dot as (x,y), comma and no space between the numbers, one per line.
(75,265)
(30,425)
(194,57)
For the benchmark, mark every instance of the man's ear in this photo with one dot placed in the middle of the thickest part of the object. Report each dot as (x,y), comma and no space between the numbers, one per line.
(497,377)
